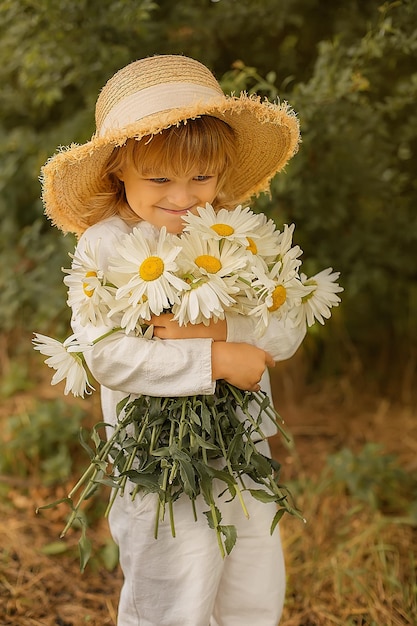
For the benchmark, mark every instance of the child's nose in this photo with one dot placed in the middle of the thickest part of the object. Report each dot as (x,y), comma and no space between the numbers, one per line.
(180,195)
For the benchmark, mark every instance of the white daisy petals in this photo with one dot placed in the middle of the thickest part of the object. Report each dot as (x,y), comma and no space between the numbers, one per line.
(223,261)
(66,358)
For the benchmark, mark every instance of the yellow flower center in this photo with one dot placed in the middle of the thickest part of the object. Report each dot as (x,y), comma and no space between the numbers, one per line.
(86,287)
(209,263)
(224,230)
(279,295)
(151,268)
(252,245)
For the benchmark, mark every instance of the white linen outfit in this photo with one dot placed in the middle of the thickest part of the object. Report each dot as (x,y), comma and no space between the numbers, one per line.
(183,581)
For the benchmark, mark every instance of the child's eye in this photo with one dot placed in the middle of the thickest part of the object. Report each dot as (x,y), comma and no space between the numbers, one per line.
(202,178)
(159,180)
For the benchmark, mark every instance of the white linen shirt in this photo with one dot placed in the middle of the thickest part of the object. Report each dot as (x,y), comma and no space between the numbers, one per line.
(131,365)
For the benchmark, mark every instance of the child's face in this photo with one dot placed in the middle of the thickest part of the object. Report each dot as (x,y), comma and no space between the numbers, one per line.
(163,201)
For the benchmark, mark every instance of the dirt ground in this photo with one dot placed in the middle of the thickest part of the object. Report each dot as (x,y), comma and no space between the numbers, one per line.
(40,581)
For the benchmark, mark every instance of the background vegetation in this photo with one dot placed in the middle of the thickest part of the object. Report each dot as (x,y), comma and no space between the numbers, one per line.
(349,69)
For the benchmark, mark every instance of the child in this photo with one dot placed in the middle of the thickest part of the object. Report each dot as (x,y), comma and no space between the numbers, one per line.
(168,141)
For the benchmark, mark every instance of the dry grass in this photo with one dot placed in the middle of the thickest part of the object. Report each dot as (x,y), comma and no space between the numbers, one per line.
(41,590)
(350,565)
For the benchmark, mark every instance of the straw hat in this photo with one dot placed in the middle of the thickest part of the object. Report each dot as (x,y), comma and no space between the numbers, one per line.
(144,98)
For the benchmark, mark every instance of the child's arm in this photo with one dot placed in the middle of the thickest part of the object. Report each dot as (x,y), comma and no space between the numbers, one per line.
(237,362)
(279,340)
(165,327)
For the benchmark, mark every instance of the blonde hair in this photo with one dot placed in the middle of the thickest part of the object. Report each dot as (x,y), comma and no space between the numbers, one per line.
(206,143)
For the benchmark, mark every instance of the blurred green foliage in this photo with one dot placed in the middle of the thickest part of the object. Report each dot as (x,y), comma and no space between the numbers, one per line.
(349,69)
(377,478)
(42,442)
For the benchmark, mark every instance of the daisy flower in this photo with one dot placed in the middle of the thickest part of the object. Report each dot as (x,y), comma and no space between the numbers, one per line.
(207,298)
(322,297)
(68,361)
(201,256)
(212,268)
(236,225)
(286,252)
(277,293)
(266,244)
(88,292)
(130,317)
(144,273)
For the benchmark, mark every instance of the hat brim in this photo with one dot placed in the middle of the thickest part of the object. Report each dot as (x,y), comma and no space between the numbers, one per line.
(267,136)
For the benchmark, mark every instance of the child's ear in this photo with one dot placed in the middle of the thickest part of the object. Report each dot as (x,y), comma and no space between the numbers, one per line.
(119,175)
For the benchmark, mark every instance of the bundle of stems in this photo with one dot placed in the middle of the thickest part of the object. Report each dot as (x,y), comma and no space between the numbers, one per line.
(177,447)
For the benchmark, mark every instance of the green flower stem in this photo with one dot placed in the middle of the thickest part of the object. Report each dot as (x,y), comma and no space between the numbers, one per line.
(194,509)
(230,470)
(171,516)
(101,457)
(216,528)
(157,516)
(273,415)
(271,484)
(240,403)
(181,428)
(248,283)
(91,472)
(282,498)
(166,474)
(110,332)
(120,489)
(81,499)
(153,439)
(84,477)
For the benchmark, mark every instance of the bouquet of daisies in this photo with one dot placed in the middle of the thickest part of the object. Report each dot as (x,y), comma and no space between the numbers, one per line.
(226,261)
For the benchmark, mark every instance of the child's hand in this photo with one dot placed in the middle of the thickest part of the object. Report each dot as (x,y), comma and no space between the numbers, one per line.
(165,327)
(240,364)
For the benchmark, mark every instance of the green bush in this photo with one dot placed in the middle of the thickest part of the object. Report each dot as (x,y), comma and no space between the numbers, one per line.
(42,442)
(376,478)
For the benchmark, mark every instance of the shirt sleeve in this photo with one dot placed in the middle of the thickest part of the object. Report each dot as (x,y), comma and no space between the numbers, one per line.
(280,340)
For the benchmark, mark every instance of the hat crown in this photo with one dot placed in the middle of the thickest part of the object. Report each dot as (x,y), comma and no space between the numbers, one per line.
(151,72)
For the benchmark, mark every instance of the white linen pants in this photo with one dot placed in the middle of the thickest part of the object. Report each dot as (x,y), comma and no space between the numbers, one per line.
(184,581)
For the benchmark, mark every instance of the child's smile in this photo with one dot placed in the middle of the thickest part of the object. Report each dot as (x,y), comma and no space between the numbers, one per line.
(163,201)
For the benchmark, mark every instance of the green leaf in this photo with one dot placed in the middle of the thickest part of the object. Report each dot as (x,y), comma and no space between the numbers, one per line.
(276,519)
(235,447)
(84,547)
(108,481)
(84,444)
(213,517)
(262,496)
(261,464)
(227,478)
(207,445)
(230,535)
(206,418)
(52,505)
(122,405)
(188,478)
(149,482)
(194,417)
(54,548)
